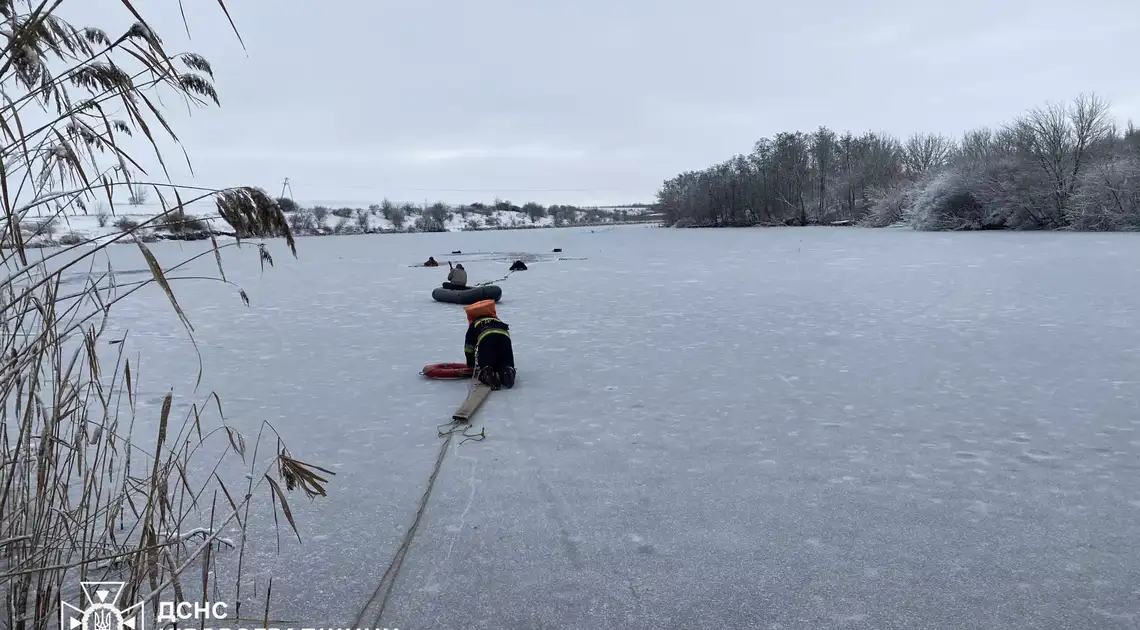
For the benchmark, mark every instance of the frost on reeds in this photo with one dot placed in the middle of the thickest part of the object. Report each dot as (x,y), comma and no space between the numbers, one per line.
(92,486)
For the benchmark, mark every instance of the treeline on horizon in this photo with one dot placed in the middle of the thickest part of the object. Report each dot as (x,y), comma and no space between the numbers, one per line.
(1061,166)
(434,217)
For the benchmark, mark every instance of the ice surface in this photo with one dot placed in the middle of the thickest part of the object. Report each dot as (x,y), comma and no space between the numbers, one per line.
(782,428)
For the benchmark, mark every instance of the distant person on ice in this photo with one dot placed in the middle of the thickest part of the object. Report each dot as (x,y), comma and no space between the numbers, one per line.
(431,262)
(487,346)
(456,278)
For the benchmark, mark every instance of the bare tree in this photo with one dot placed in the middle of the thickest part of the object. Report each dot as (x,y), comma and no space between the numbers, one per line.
(925,151)
(1056,139)
(1108,196)
(823,152)
(1024,175)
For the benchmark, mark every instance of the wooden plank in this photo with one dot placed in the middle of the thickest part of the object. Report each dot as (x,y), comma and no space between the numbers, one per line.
(474,400)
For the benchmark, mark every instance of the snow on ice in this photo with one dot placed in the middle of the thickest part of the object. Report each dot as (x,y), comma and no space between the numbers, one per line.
(781,428)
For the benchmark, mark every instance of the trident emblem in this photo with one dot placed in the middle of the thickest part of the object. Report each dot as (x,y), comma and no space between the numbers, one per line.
(101,620)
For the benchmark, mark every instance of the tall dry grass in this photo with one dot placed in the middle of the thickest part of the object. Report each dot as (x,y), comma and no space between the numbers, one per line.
(92,489)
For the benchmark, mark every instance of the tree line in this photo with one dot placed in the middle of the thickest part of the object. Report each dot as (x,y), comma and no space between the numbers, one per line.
(434,217)
(1061,166)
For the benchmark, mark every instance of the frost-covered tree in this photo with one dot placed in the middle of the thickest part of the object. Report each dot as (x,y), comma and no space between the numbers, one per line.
(923,152)
(1107,196)
(1058,166)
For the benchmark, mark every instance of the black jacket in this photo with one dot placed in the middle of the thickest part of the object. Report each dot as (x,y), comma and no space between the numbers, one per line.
(492,337)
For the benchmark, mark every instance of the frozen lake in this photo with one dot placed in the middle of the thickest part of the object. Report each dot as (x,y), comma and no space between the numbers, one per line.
(784,428)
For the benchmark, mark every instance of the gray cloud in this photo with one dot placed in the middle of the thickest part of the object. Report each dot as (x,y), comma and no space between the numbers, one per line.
(598,102)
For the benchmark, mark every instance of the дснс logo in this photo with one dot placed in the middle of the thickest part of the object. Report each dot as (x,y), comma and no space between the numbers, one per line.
(102,611)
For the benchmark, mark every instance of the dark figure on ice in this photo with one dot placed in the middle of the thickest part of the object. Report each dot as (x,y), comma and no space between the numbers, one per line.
(518,266)
(456,278)
(487,346)
(431,262)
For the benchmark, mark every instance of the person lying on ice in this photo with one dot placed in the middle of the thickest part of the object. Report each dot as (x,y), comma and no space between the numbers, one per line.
(487,346)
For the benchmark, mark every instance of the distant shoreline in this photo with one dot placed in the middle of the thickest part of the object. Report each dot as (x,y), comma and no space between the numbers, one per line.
(159,234)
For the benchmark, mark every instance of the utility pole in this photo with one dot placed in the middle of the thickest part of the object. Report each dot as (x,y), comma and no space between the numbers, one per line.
(286,185)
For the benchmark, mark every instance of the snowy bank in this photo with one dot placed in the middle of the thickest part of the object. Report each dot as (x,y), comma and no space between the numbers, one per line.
(198,221)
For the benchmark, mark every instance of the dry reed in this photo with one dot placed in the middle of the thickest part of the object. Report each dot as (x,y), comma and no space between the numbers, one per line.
(91,488)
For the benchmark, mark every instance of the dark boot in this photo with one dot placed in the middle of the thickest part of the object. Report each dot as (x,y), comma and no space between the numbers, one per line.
(488,377)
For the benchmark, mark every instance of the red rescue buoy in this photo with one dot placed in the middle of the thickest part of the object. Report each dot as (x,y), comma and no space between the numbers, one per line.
(447,370)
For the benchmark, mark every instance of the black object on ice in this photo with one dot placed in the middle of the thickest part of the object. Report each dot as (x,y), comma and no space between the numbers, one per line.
(470,295)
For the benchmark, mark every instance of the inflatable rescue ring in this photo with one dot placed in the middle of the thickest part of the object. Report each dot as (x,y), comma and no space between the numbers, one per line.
(447,370)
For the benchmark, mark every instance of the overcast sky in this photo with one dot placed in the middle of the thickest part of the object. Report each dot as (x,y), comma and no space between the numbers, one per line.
(598,101)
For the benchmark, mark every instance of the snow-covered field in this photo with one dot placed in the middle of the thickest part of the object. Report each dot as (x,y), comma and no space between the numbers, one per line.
(755,428)
(99,223)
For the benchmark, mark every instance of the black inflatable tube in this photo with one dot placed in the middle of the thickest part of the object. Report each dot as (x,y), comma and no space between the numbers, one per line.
(467,296)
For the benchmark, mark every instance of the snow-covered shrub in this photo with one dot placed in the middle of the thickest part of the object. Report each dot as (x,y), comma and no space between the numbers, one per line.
(945,200)
(343,213)
(1107,197)
(125,224)
(428,223)
(302,222)
(71,238)
(1013,195)
(890,205)
(178,222)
